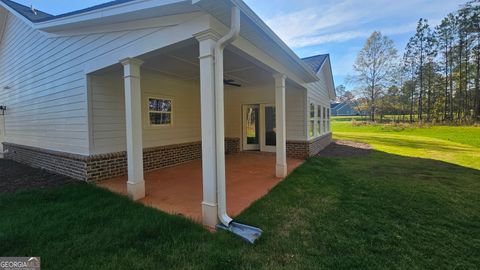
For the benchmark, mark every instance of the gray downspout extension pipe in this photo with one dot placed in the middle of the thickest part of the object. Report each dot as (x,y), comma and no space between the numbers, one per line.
(248,233)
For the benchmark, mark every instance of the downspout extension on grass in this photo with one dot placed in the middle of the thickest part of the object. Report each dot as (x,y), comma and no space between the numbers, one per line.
(248,233)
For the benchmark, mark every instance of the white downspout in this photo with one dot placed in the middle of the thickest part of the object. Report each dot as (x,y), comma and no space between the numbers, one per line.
(219,114)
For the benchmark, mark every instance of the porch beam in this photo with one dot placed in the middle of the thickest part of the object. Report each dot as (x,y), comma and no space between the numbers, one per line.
(133,116)
(280,126)
(207,41)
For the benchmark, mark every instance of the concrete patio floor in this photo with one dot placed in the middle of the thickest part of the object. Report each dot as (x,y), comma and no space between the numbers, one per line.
(178,189)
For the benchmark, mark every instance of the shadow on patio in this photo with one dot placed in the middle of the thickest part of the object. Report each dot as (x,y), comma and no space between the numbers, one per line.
(178,189)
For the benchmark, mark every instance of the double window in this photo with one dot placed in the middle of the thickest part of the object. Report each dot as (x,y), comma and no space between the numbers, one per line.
(160,111)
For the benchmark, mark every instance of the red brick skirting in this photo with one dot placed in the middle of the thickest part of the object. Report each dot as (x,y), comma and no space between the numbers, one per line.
(105,166)
(305,149)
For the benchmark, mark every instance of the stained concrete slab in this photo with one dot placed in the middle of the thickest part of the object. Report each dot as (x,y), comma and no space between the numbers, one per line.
(178,189)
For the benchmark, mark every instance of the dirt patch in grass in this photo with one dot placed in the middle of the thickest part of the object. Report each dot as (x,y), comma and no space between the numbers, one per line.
(346,149)
(15,177)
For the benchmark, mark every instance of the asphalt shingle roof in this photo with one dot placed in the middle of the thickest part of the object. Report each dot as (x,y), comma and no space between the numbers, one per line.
(315,62)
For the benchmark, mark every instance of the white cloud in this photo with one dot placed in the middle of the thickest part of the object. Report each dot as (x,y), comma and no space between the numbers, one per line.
(344,20)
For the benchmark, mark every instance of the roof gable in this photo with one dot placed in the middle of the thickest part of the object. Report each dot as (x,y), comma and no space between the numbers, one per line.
(316,62)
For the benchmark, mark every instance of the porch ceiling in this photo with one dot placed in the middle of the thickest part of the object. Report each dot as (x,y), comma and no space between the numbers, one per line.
(181,61)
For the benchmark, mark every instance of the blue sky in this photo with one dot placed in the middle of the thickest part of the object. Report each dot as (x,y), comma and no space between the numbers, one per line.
(310,27)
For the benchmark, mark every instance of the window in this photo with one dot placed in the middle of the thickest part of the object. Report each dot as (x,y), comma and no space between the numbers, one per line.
(325,117)
(319,121)
(160,111)
(312,110)
(328,120)
(312,121)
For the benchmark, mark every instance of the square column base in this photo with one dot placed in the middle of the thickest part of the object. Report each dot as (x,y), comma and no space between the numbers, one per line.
(209,214)
(136,190)
(281,170)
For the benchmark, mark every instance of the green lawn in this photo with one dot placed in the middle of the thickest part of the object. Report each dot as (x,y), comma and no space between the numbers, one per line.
(457,145)
(389,210)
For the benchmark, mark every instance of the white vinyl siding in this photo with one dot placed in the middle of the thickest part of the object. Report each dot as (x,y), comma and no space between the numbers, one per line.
(47,99)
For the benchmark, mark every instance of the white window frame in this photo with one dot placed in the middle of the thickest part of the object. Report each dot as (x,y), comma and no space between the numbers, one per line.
(147,111)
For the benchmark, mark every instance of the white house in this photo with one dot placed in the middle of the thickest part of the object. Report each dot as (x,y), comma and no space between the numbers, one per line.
(138,85)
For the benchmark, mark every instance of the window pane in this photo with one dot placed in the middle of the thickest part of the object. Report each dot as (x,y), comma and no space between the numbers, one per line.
(319,127)
(312,126)
(270,134)
(312,110)
(160,118)
(253,125)
(319,111)
(160,105)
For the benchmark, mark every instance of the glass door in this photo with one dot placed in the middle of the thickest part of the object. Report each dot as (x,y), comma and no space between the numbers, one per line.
(251,127)
(270,134)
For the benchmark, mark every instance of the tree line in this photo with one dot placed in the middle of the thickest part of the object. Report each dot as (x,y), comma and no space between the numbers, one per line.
(437,79)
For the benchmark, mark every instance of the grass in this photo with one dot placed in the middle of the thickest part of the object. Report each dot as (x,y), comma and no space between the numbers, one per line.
(385,211)
(457,145)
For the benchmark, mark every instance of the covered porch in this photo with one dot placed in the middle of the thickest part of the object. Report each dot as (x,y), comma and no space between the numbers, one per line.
(182,103)
(178,189)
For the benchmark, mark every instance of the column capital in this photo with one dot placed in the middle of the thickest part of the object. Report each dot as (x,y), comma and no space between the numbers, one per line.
(131,61)
(280,76)
(209,34)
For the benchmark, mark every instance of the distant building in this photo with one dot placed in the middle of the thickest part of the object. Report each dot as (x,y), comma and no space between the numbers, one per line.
(346,108)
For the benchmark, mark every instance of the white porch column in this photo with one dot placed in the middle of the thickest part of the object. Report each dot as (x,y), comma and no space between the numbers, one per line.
(281,148)
(207,42)
(133,110)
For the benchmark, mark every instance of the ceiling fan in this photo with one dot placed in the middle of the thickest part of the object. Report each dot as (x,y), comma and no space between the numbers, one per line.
(231,82)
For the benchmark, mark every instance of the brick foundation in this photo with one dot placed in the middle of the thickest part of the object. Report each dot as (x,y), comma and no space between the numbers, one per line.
(105,166)
(305,149)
